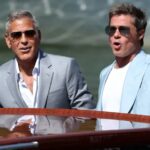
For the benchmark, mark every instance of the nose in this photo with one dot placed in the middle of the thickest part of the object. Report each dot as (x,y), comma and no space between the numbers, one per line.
(117,33)
(23,38)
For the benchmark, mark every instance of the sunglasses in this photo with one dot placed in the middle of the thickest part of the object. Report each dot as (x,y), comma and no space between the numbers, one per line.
(28,33)
(124,30)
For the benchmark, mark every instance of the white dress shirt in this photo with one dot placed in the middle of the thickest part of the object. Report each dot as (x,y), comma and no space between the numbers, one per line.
(26,94)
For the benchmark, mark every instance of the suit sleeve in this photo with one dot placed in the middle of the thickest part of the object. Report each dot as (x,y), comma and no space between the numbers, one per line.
(78,92)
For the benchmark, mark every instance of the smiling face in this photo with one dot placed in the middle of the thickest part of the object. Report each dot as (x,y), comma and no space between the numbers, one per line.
(125,46)
(23,38)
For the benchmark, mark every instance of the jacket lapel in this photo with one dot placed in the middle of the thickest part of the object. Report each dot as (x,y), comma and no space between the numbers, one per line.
(133,81)
(46,75)
(13,86)
(103,78)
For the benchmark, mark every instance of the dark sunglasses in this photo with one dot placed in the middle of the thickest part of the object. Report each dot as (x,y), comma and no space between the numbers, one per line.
(28,33)
(124,30)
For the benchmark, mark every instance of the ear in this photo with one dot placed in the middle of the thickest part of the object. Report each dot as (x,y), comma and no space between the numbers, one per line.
(141,34)
(7,40)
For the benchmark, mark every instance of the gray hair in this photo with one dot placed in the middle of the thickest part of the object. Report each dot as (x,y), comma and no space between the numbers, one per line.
(18,15)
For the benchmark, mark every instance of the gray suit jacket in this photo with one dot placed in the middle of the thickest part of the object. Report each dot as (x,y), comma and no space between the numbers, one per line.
(61,84)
